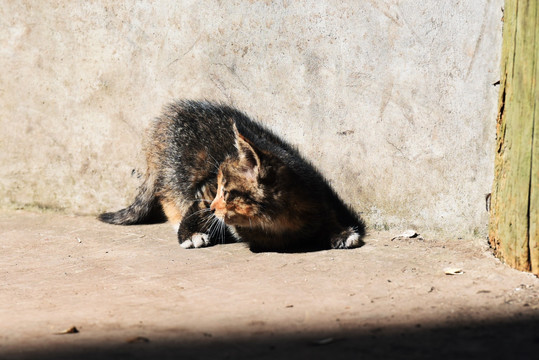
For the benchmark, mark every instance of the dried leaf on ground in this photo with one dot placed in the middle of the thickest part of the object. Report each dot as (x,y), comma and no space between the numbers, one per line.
(408,234)
(71,330)
(452,271)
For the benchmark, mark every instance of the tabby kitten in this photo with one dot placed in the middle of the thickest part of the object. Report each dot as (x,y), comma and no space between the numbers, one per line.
(218,175)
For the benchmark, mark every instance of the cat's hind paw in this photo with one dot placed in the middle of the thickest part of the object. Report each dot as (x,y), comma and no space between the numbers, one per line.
(197,240)
(347,239)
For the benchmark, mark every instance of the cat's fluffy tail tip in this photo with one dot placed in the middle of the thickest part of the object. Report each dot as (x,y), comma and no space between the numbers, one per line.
(349,239)
(109,218)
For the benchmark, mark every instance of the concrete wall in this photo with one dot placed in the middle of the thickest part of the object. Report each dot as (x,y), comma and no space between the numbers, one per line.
(393,100)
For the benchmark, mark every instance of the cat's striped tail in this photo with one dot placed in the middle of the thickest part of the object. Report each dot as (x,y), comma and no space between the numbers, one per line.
(144,210)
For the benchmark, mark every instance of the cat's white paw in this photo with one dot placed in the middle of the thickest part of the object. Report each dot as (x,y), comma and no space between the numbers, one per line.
(187,244)
(198,240)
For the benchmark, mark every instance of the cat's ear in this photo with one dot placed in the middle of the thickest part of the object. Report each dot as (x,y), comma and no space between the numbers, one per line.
(249,159)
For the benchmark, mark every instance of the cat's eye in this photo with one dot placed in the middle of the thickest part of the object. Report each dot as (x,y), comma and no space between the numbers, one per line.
(229,195)
(233,194)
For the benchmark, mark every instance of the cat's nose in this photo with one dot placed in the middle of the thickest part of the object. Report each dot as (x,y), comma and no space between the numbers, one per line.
(217,204)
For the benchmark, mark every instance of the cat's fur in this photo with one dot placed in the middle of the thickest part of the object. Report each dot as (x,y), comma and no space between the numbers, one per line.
(210,165)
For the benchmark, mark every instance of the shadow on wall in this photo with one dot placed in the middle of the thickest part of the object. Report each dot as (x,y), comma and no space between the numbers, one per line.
(516,338)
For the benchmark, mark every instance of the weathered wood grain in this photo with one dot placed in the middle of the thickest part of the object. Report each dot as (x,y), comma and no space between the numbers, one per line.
(513,230)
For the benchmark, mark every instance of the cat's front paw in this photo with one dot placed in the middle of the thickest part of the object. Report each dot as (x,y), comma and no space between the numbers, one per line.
(347,239)
(197,240)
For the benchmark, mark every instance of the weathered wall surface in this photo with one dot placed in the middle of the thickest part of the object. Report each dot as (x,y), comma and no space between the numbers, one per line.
(392,100)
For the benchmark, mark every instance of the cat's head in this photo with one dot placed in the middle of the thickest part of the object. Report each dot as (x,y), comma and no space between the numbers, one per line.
(240,195)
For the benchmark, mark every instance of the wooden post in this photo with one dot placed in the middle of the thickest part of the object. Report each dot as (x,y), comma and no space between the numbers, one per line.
(514,211)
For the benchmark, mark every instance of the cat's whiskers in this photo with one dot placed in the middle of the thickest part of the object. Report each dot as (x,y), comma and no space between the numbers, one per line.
(206,218)
(223,230)
(209,220)
(220,231)
(217,229)
(209,229)
(196,213)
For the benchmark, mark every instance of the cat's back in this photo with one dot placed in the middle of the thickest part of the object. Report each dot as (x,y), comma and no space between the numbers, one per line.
(188,126)
(184,124)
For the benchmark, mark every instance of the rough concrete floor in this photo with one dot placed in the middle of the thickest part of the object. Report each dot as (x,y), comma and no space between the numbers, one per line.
(132,292)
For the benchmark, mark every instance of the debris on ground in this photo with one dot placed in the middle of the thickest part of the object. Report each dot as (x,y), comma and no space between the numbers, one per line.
(71,330)
(452,271)
(408,234)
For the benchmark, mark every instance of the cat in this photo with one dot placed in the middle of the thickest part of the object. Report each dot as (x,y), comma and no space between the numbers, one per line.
(219,176)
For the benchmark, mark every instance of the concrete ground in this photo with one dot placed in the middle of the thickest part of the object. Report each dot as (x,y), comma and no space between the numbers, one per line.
(132,292)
